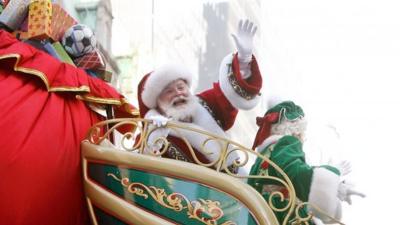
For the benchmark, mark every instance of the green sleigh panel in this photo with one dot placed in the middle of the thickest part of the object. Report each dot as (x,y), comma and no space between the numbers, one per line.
(125,186)
(131,188)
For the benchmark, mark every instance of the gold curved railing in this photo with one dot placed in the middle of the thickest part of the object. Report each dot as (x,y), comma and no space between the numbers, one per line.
(137,141)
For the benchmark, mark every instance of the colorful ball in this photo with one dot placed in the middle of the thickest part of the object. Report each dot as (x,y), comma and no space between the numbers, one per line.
(79,40)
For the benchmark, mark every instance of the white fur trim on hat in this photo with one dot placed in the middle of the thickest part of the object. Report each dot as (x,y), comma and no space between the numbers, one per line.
(236,100)
(160,78)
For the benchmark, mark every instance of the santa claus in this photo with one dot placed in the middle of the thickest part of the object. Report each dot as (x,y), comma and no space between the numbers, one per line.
(280,138)
(165,95)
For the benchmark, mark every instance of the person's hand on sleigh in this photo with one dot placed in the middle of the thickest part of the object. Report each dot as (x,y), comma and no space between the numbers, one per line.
(159,120)
(157,134)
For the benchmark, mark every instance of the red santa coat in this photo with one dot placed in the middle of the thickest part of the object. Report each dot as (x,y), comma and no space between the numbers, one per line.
(216,110)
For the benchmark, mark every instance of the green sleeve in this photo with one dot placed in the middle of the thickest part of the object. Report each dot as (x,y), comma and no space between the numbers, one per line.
(289,156)
(255,170)
(331,168)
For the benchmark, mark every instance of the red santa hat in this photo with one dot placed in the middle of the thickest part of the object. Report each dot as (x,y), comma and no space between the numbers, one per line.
(287,109)
(152,84)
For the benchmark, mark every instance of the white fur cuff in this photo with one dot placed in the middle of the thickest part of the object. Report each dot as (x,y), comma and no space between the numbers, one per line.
(323,194)
(236,100)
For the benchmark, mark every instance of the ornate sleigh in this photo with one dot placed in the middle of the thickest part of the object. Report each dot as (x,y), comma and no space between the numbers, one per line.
(125,186)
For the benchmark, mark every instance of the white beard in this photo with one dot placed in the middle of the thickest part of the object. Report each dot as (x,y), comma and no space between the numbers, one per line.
(200,119)
(295,128)
(180,112)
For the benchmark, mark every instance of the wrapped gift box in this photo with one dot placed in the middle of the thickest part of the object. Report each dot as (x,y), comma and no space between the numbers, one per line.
(60,22)
(15,12)
(51,50)
(63,55)
(39,21)
(105,75)
(102,74)
(38,44)
(93,60)
(4,3)
(24,25)
(21,35)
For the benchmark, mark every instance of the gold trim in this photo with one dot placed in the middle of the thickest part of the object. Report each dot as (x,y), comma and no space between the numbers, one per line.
(89,98)
(127,212)
(227,147)
(245,194)
(141,143)
(82,88)
(304,220)
(239,89)
(91,211)
(176,201)
(42,76)
(126,104)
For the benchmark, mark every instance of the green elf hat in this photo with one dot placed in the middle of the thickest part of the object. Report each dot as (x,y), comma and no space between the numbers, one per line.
(286,109)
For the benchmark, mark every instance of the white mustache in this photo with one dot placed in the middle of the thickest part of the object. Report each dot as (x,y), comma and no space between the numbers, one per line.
(178,98)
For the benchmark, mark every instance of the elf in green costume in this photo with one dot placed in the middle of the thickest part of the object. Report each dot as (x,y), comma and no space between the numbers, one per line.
(280,138)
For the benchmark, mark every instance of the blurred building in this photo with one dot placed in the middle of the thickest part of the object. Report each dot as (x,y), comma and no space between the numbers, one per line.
(97,14)
(151,33)
(128,66)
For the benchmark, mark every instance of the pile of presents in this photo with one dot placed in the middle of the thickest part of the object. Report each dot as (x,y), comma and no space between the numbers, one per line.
(44,25)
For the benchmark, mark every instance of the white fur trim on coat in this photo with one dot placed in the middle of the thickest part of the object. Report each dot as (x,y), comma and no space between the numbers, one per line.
(236,100)
(323,194)
(271,139)
(202,120)
(160,78)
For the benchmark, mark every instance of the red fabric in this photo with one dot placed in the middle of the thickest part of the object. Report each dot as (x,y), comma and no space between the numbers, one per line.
(57,76)
(142,107)
(220,105)
(178,142)
(40,166)
(41,129)
(5,2)
(265,165)
(254,83)
(265,127)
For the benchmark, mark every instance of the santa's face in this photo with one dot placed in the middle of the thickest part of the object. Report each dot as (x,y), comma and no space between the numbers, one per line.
(175,89)
(176,100)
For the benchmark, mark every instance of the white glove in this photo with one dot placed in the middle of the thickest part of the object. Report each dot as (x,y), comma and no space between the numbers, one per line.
(155,146)
(346,191)
(344,168)
(317,221)
(159,120)
(244,40)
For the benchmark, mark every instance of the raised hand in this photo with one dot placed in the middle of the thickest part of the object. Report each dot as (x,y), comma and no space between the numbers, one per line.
(344,167)
(244,40)
(346,191)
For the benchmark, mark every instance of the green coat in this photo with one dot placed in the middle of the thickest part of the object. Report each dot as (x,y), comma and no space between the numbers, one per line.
(288,154)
